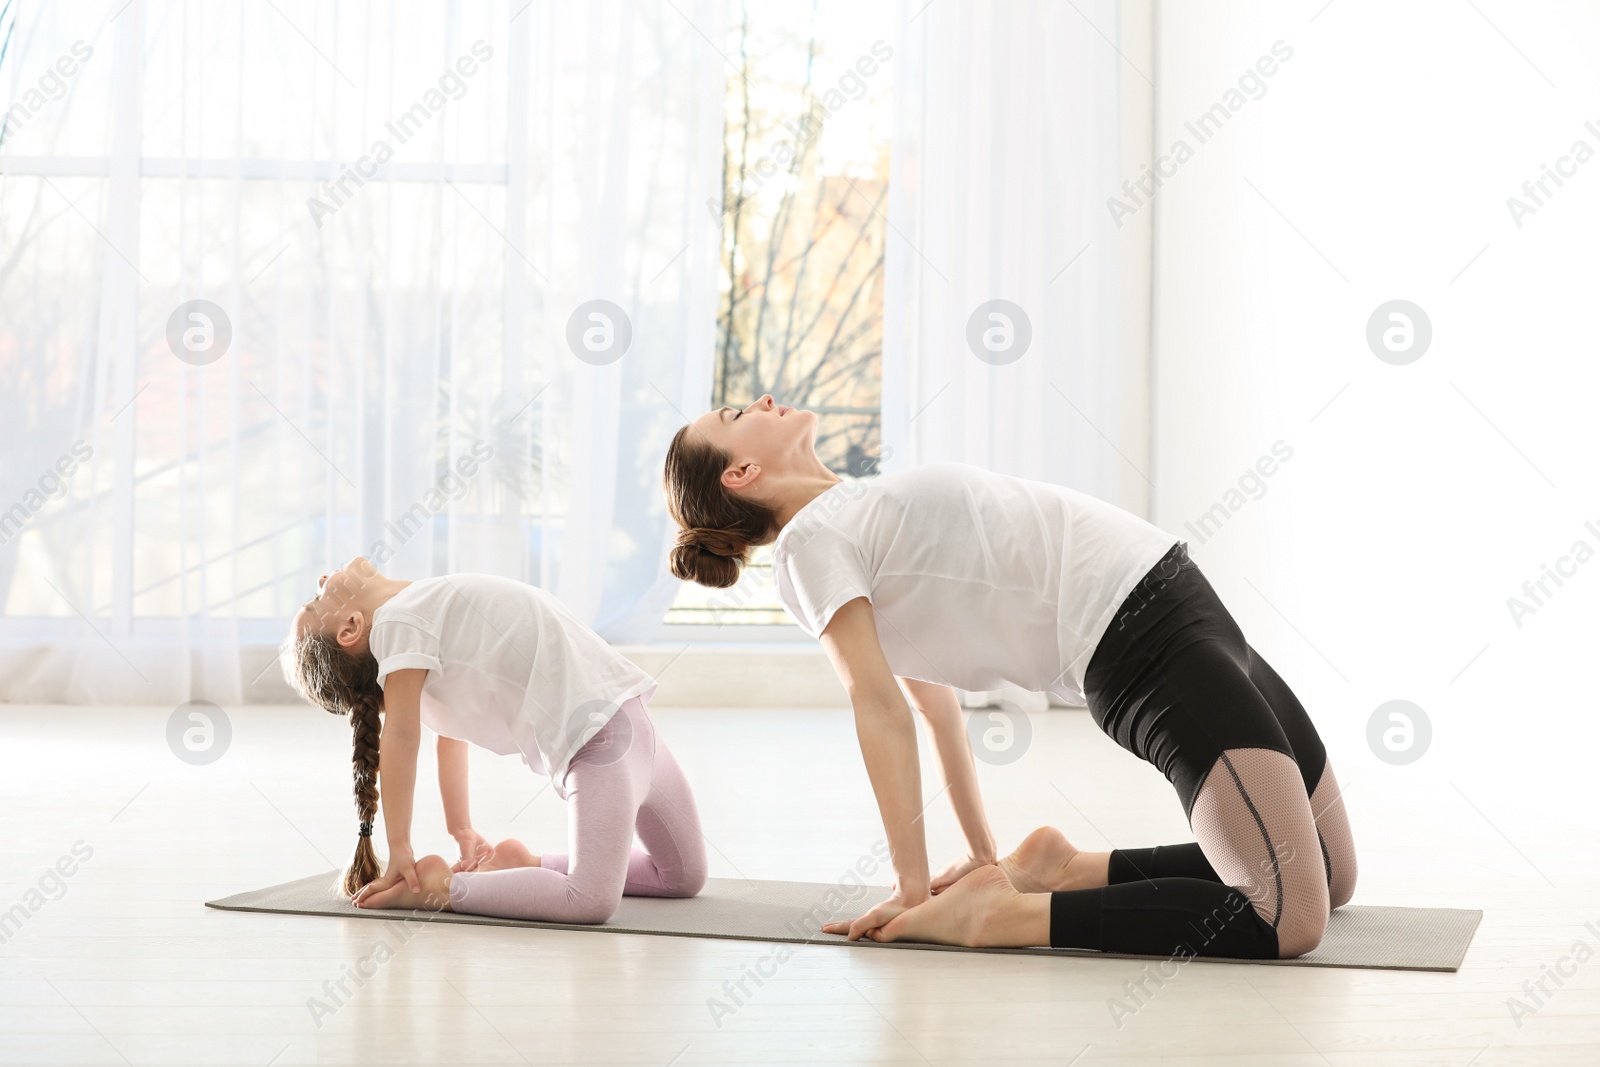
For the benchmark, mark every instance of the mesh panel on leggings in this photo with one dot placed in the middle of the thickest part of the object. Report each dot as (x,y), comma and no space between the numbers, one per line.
(1254,823)
(1338,847)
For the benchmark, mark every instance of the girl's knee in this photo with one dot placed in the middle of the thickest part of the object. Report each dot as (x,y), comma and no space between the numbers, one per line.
(692,878)
(593,910)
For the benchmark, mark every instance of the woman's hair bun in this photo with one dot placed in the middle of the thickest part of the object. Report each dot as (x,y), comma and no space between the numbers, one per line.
(709,556)
(716,526)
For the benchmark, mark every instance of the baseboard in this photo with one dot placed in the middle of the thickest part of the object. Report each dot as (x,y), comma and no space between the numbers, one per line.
(763,674)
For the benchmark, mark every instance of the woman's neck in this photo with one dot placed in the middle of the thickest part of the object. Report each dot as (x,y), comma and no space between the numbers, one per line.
(802,491)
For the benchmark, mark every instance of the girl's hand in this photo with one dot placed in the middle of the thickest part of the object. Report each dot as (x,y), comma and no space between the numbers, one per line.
(432,872)
(402,868)
(869,924)
(474,850)
(955,872)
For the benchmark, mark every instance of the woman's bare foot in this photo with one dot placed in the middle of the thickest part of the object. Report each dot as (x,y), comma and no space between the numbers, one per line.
(508,854)
(982,910)
(1039,865)
(433,873)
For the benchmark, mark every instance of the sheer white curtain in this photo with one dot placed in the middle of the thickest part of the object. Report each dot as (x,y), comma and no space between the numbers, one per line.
(1007,138)
(400,216)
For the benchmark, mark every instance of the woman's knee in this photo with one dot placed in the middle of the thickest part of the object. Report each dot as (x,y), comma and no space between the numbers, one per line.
(1302,917)
(1301,934)
(1342,882)
(1292,898)
(1333,830)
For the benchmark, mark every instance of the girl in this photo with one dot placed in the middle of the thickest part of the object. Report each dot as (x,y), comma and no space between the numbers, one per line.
(487,660)
(948,575)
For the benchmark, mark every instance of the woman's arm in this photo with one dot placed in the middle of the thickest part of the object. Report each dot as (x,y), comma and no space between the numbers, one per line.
(888,738)
(397,775)
(942,712)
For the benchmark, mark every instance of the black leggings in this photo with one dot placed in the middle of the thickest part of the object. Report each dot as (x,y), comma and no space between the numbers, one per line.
(1174,682)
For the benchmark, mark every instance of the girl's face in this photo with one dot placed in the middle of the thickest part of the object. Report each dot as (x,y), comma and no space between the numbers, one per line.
(765,433)
(337,593)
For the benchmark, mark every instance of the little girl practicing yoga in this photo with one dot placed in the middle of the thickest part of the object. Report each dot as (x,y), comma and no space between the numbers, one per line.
(503,665)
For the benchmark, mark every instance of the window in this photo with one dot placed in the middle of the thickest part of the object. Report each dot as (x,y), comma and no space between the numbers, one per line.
(804,220)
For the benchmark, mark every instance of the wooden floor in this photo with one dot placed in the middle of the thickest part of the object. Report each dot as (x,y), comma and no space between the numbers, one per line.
(120,963)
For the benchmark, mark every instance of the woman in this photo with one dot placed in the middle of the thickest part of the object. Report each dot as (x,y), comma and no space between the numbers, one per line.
(947,575)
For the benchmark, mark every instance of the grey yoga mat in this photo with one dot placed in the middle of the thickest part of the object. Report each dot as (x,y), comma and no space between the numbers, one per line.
(1407,939)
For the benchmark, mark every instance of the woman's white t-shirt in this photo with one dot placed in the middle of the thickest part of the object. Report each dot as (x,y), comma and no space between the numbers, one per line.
(977,580)
(510,668)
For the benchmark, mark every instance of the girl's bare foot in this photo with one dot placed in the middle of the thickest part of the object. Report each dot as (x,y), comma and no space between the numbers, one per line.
(433,873)
(1039,865)
(508,854)
(982,910)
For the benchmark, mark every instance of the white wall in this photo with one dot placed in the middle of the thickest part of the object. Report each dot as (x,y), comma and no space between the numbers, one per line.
(1134,256)
(1379,560)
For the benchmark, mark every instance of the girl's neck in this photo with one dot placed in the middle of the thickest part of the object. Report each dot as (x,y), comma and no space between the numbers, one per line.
(380,591)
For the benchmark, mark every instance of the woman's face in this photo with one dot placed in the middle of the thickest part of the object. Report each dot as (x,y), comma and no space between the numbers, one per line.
(765,433)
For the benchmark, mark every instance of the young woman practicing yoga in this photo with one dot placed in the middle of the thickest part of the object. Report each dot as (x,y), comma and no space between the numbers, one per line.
(488,660)
(948,575)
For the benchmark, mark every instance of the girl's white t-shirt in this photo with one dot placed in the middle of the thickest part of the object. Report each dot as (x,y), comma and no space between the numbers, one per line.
(510,667)
(977,580)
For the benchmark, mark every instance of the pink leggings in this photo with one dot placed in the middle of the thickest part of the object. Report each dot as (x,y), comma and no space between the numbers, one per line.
(622,781)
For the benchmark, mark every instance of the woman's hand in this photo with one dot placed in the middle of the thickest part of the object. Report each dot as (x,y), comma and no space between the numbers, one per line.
(474,850)
(955,872)
(402,868)
(873,921)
